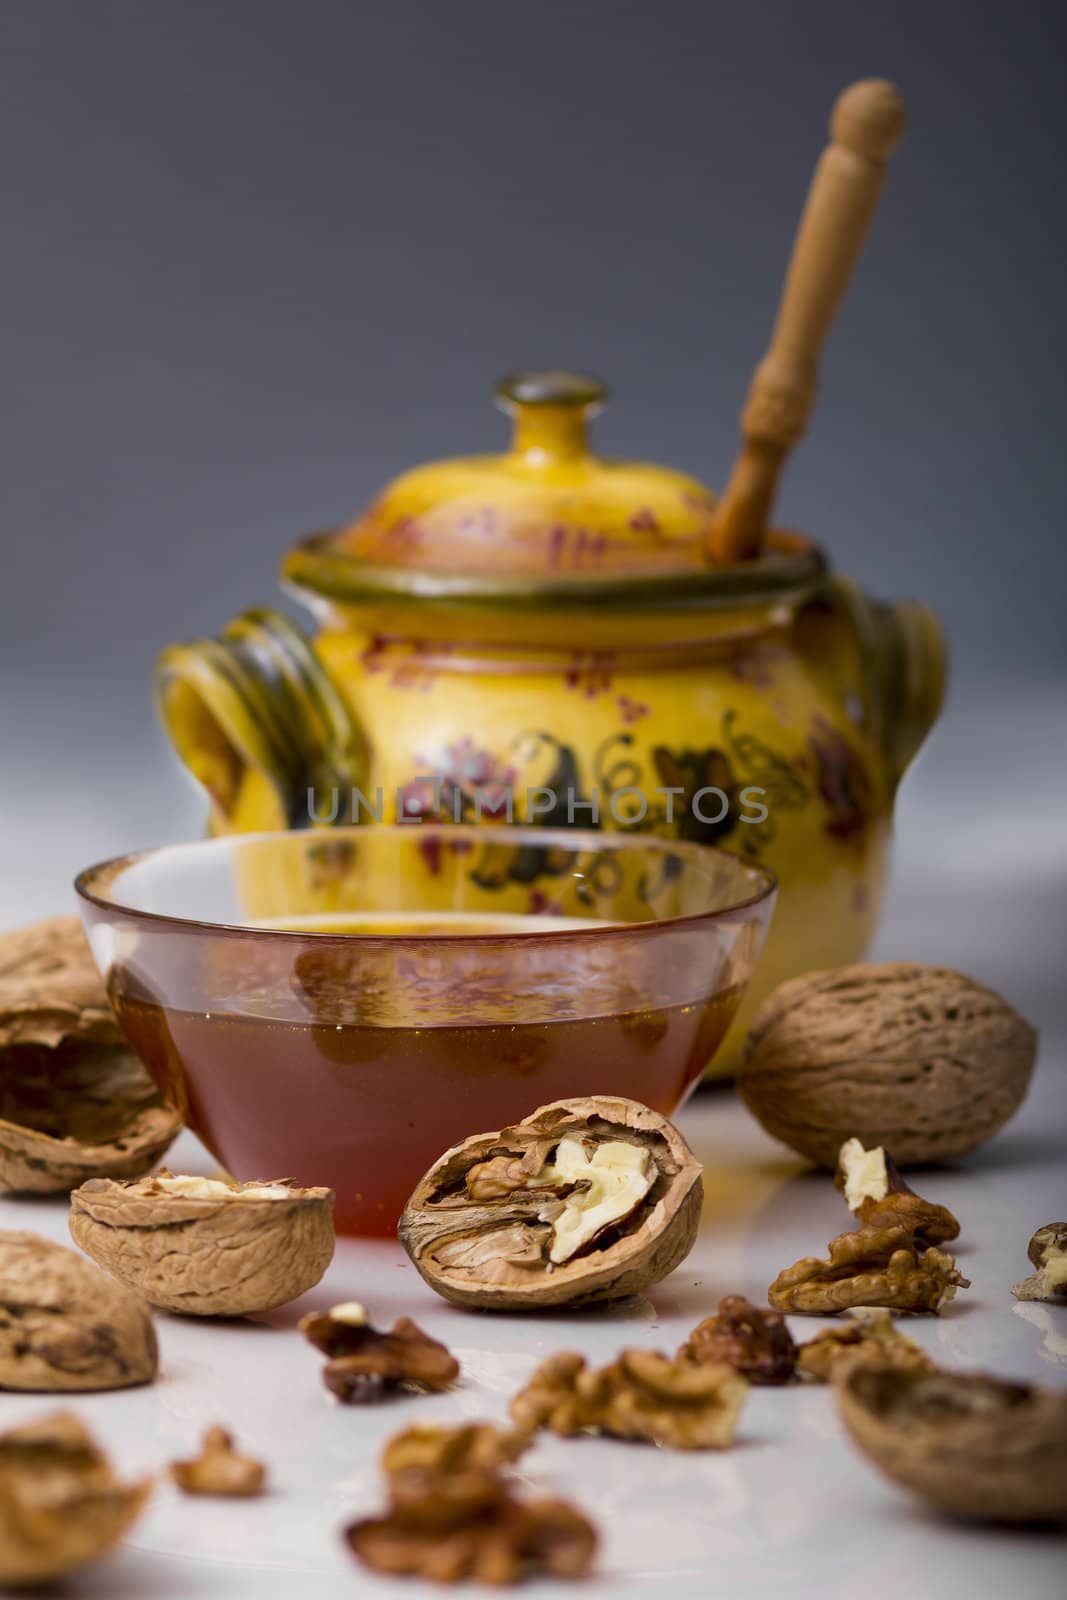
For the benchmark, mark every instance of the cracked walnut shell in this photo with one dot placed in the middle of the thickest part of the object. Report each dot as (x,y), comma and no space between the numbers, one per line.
(641,1395)
(878,1196)
(366,1364)
(219,1469)
(204,1247)
(61,1506)
(753,1341)
(75,1102)
(970,1444)
(67,1326)
(870,1267)
(920,1060)
(582,1201)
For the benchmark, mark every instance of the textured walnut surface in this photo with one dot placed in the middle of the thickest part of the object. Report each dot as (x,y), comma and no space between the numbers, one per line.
(879,1197)
(366,1364)
(753,1340)
(61,1506)
(969,1443)
(870,1338)
(65,1325)
(868,1267)
(74,1100)
(641,1395)
(922,1060)
(480,1226)
(455,1513)
(216,1254)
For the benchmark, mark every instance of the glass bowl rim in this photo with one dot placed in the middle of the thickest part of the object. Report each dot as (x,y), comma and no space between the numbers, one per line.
(581,838)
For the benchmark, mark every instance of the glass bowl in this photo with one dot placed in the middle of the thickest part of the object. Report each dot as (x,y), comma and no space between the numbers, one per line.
(341,1006)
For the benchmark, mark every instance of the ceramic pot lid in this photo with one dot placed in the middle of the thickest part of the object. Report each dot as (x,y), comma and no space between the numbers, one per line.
(547,519)
(548,506)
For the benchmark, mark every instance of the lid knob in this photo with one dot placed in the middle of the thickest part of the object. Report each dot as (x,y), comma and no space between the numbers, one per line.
(551,410)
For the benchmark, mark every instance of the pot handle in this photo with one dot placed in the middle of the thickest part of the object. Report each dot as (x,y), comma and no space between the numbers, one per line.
(889,659)
(257,700)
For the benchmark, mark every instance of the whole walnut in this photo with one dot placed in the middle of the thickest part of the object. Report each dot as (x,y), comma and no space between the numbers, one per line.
(65,1325)
(921,1060)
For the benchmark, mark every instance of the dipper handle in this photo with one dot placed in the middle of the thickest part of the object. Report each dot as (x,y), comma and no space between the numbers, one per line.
(865,127)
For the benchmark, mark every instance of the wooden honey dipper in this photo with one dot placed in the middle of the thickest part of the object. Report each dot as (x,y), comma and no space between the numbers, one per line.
(865,128)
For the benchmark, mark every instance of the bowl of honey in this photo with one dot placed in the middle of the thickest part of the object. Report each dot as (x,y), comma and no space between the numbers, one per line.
(341,1005)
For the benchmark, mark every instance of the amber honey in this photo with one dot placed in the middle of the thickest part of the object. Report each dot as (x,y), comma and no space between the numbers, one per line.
(381,1053)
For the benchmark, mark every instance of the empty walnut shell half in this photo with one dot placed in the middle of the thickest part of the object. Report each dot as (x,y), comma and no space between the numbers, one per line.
(970,1444)
(205,1247)
(61,1505)
(582,1201)
(922,1060)
(75,1102)
(67,1326)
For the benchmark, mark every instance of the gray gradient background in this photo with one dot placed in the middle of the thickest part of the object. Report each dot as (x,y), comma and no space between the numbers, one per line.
(260,256)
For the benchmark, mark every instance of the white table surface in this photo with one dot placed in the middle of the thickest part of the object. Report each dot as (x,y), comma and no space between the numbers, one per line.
(791,1509)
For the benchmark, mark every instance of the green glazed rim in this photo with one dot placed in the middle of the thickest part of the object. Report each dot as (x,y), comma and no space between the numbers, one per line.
(791,570)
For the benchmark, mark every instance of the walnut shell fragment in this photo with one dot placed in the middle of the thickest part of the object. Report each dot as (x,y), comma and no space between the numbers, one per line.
(876,1193)
(75,1102)
(870,1267)
(1048,1253)
(641,1395)
(582,1201)
(970,1444)
(205,1247)
(870,1338)
(65,1325)
(921,1060)
(61,1506)
(366,1365)
(219,1469)
(753,1341)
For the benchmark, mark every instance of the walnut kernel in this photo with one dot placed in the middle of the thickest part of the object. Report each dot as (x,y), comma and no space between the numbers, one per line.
(1048,1253)
(219,1469)
(641,1395)
(753,1341)
(878,1196)
(366,1365)
(869,1267)
(870,1338)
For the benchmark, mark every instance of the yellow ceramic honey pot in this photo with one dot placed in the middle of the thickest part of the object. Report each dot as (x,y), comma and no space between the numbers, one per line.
(548,635)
